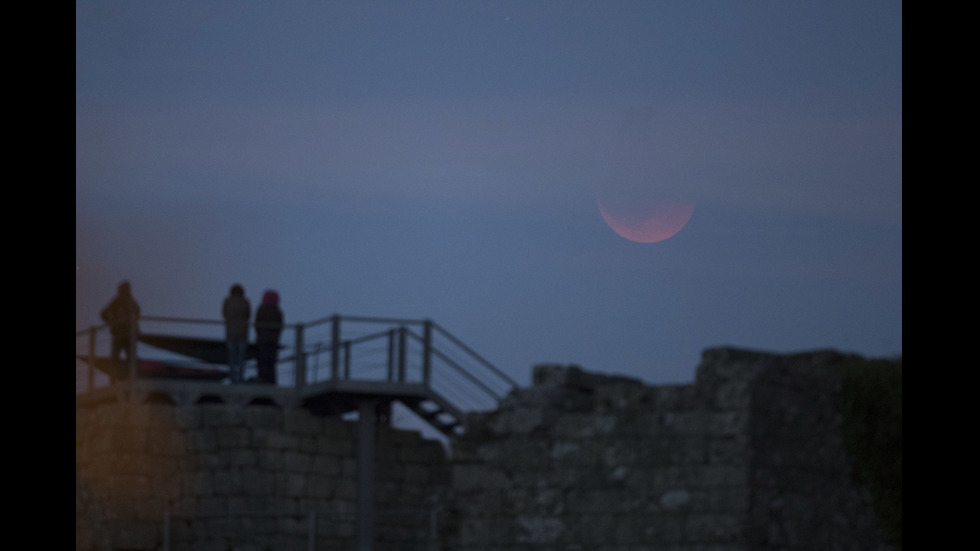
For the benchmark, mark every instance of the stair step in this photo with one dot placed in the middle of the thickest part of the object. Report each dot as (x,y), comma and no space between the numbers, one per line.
(429,415)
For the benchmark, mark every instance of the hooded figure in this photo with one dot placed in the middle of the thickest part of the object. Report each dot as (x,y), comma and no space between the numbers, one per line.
(122,315)
(268,327)
(236,310)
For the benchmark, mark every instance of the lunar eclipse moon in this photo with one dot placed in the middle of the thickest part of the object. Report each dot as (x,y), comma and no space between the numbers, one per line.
(647,221)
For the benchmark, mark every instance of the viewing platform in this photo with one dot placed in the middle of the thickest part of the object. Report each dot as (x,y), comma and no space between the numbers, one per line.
(332,367)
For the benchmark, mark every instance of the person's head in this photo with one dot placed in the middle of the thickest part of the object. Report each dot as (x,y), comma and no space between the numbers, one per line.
(123,288)
(270,297)
(237,290)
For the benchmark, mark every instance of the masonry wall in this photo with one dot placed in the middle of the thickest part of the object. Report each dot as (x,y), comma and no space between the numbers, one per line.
(804,494)
(254,477)
(747,458)
(586,462)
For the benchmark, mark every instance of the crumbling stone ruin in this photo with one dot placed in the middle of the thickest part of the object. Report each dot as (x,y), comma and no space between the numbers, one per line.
(748,457)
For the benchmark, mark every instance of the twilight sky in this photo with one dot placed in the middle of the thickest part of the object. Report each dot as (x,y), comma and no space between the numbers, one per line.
(445,160)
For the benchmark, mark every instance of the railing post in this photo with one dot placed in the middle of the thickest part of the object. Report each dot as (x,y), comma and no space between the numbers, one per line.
(347,360)
(391,355)
(311,541)
(426,353)
(133,319)
(402,333)
(367,419)
(334,347)
(166,530)
(91,358)
(300,358)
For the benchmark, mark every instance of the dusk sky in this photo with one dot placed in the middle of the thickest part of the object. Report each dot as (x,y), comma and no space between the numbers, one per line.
(447,160)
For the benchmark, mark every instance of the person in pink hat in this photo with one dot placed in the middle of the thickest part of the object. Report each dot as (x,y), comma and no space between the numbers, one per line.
(268,327)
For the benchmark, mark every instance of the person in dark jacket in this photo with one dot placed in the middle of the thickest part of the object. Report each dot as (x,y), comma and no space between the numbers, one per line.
(122,315)
(236,310)
(268,327)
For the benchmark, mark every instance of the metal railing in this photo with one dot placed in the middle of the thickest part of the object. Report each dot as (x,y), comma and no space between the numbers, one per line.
(333,348)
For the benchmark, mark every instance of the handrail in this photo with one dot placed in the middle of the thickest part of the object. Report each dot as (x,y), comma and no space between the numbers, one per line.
(459,343)
(466,374)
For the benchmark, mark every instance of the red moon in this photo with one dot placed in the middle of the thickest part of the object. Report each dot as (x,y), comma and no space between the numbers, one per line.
(648,222)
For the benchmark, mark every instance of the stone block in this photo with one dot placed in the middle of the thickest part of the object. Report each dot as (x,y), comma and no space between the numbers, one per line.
(346,489)
(422,451)
(727,450)
(416,474)
(199,483)
(711,476)
(152,416)
(539,530)
(273,439)
(321,487)
(300,422)
(326,465)
(244,457)
(136,536)
(227,482)
(712,528)
(581,426)
(294,461)
(257,483)
(188,417)
(521,420)
(165,443)
(335,446)
(290,484)
(263,417)
(387,470)
(269,459)
(129,439)
(220,415)
(201,440)
(231,437)
(336,428)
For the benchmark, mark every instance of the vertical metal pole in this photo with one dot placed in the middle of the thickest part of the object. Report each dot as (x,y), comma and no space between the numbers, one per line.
(366,427)
(300,358)
(91,358)
(334,347)
(347,360)
(311,544)
(391,355)
(166,530)
(426,353)
(401,354)
(131,350)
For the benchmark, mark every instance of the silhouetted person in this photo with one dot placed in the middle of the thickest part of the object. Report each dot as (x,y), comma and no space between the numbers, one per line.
(122,315)
(268,326)
(236,310)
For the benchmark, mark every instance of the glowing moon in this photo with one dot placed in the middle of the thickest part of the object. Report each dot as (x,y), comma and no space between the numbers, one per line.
(647,221)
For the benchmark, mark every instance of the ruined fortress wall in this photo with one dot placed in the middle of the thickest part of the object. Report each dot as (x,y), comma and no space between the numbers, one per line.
(747,458)
(585,462)
(804,494)
(254,477)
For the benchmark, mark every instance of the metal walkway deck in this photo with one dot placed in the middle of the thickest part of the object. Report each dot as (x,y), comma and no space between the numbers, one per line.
(330,367)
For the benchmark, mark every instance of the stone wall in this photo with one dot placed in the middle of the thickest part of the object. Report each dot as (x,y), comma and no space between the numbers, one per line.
(233,477)
(802,480)
(747,458)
